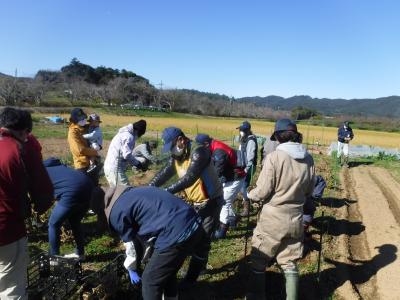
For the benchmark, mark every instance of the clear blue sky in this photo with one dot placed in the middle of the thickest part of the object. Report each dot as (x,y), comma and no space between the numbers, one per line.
(322,48)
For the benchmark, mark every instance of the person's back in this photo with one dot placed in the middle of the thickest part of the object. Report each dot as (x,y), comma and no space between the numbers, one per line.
(293,173)
(70,186)
(154,213)
(13,190)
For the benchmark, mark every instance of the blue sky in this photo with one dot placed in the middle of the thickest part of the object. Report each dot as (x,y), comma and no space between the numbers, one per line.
(321,48)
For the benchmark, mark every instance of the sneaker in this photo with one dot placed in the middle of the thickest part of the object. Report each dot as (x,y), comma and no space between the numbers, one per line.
(75,256)
(91,212)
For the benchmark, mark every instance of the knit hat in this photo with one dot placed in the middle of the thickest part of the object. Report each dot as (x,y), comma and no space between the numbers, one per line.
(140,127)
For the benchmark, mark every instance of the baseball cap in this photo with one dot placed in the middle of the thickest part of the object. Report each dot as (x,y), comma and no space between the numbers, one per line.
(169,136)
(283,125)
(202,138)
(244,126)
(94,117)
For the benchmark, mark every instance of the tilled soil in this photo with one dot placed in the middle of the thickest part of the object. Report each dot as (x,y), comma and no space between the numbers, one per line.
(372,266)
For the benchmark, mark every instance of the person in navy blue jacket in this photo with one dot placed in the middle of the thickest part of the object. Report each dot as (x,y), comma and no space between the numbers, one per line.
(345,135)
(142,214)
(72,190)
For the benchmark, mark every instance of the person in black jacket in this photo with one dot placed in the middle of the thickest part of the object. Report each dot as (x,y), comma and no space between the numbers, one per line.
(72,190)
(200,185)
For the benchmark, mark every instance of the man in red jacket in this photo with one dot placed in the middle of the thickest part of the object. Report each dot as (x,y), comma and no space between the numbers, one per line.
(17,181)
(230,175)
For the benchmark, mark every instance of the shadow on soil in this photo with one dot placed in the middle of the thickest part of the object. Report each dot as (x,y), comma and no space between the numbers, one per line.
(338,227)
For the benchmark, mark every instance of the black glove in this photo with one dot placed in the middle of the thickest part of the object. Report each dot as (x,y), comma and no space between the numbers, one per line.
(139,166)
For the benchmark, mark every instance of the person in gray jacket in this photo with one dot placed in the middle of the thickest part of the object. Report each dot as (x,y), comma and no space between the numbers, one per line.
(144,153)
(248,148)
(285,182)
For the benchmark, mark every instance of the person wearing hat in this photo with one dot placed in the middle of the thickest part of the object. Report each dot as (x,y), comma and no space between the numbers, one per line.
(81,152)
(285,181)
(248,149)
(199,183)
(151,220)
(230,175)
(345,135)
(120,153)
(94,138)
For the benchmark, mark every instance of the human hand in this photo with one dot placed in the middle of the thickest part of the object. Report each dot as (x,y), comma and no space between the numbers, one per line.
(134,276)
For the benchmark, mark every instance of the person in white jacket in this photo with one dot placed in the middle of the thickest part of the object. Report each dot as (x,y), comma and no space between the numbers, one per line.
(120,153)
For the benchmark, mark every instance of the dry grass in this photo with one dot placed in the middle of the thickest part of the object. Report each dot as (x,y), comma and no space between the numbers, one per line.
(225,128)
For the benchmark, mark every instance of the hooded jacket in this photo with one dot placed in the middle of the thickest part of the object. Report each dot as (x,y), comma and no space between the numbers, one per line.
(345,132)
(286,179)
(120,151)
(81,152)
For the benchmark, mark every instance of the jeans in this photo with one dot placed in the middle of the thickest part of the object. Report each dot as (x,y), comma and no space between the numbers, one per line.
(159,276)
(13,270)
(74,215)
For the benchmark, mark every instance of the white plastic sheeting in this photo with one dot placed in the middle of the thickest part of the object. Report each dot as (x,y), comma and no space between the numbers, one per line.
(365,151)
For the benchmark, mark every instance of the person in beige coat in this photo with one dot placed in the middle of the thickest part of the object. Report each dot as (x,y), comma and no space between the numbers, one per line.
(285,181)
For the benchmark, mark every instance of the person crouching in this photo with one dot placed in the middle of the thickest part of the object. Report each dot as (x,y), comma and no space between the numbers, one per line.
(144,214)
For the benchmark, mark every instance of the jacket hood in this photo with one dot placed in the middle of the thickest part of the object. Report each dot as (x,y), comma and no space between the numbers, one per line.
(295,150)
(52,162)
(128,128)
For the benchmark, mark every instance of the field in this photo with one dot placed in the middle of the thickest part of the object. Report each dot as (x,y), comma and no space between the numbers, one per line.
(226,270)
(224,128)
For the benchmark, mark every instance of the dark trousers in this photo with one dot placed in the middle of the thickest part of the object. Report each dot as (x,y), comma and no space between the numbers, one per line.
(94,175)
(159,276)
(58,216)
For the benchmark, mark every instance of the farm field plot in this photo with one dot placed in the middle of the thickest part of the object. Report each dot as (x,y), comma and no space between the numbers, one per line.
(222,128)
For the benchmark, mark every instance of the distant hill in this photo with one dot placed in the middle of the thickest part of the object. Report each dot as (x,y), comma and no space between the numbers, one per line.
(380,107)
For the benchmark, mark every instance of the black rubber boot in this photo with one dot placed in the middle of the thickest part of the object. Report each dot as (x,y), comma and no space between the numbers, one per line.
(195,267)
(256,286)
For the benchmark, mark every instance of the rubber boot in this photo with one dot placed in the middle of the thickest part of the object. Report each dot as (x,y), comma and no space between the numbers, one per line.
(195,267)
(292,284)
(220,233)
(256,286)
(246,208)
(346,161)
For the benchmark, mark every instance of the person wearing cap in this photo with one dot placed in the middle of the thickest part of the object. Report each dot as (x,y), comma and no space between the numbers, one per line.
(149,218)
(81,152)
(23,182)
(143,153)
(284,183)
(345,135)
(94,138)
(120,153)
(248,149)
(230,175)
(199,183)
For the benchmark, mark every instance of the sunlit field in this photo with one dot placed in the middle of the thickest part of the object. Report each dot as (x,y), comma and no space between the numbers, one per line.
(225,129)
